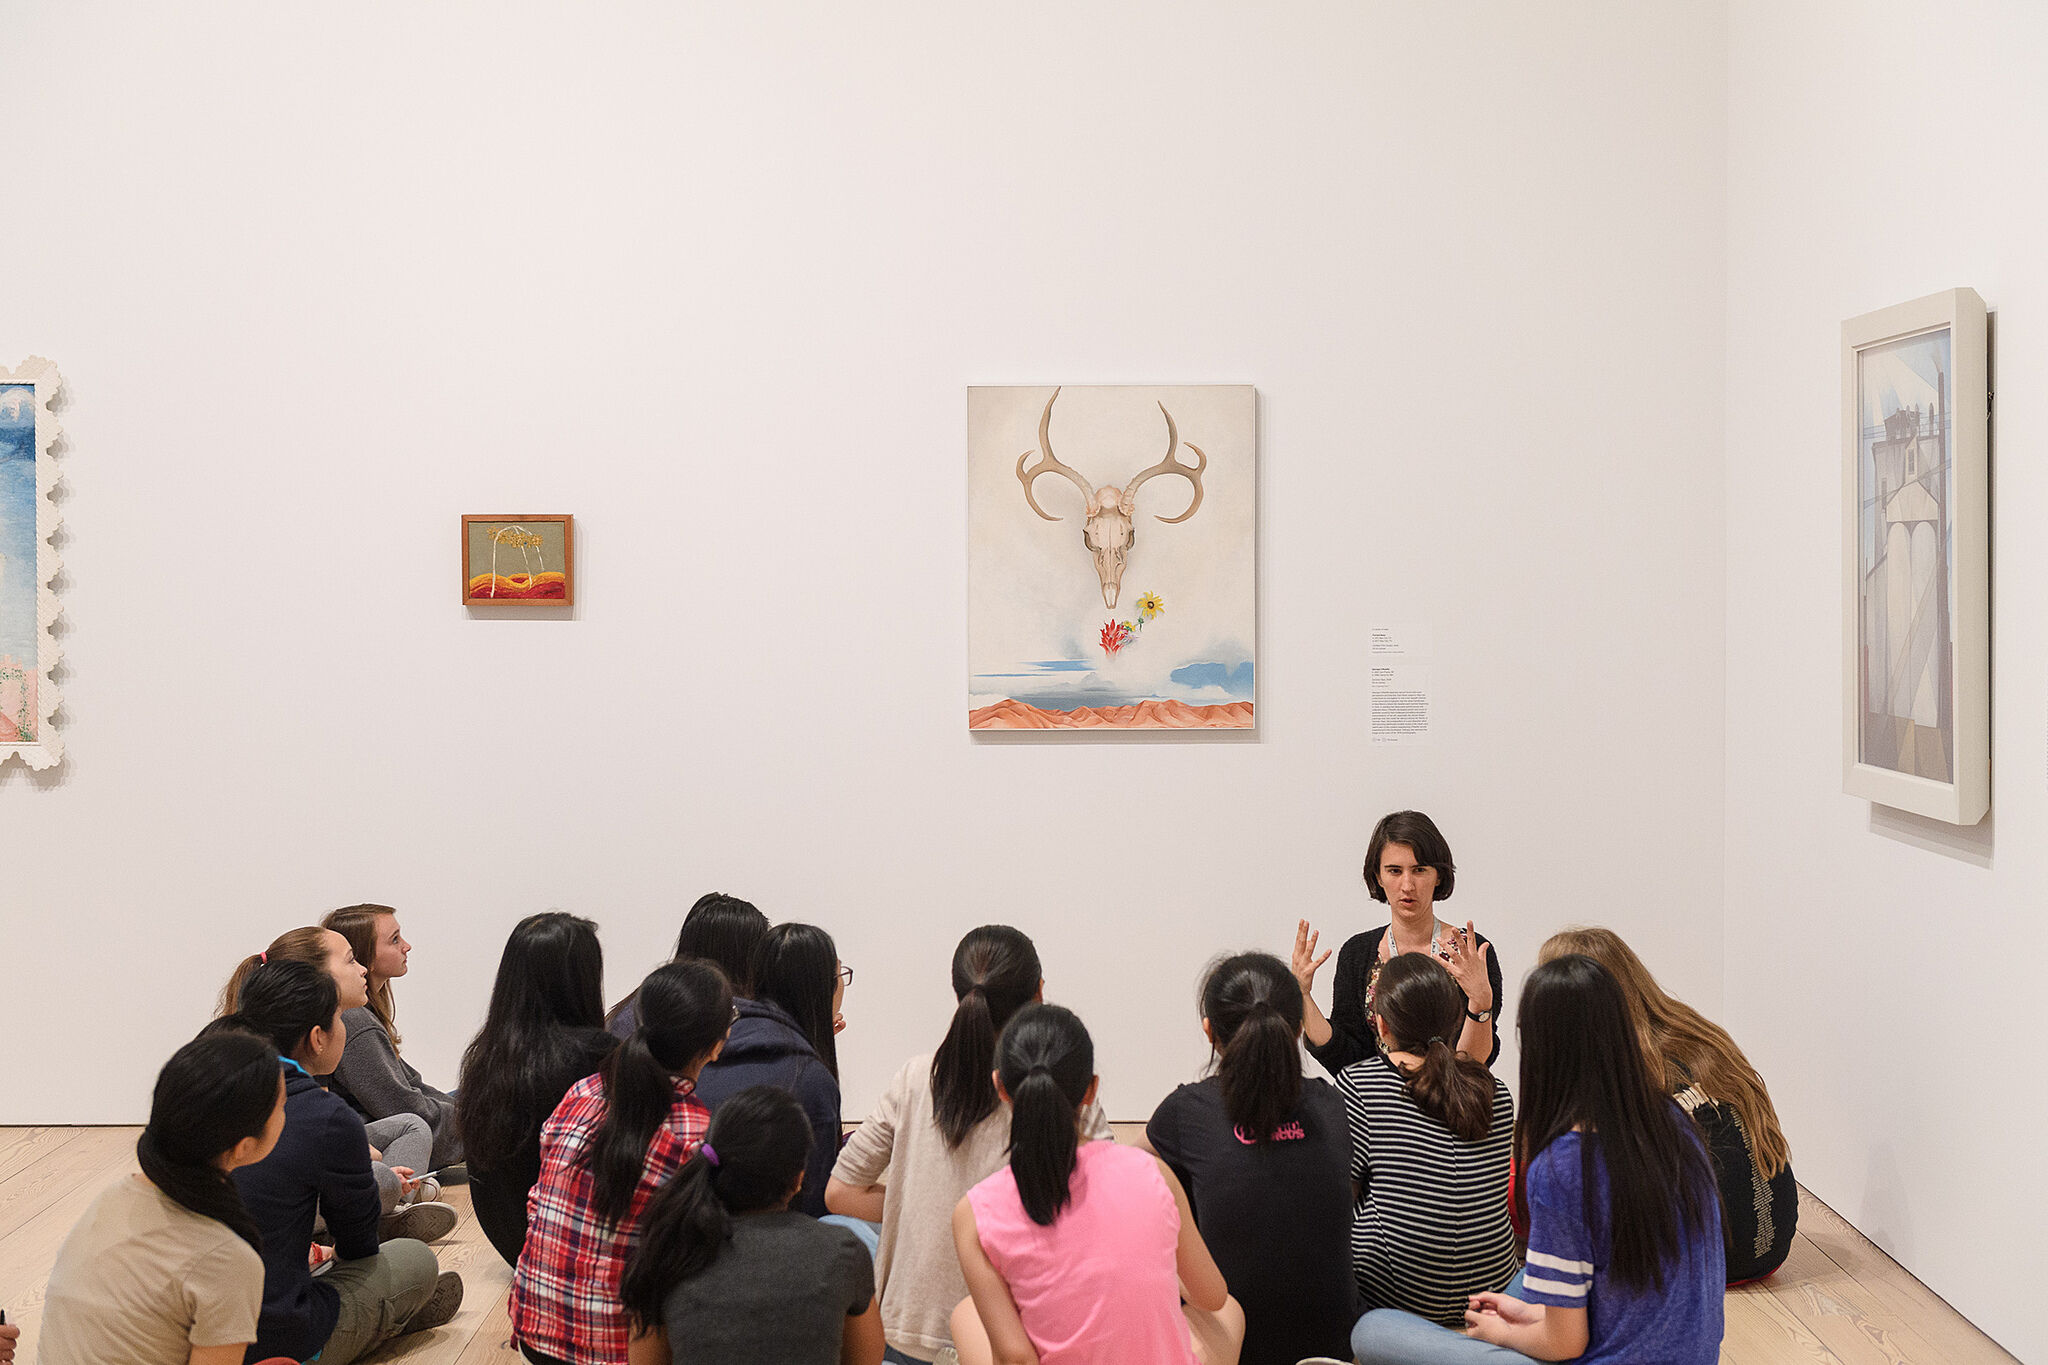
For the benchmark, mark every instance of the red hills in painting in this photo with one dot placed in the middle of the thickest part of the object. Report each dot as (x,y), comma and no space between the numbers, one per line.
(1146,715)
(519,587)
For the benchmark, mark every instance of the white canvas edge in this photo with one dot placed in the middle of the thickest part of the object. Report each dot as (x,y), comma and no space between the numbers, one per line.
(1966,800)
(49,747)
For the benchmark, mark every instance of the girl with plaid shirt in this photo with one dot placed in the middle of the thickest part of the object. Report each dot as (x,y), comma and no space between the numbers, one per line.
(613,1141)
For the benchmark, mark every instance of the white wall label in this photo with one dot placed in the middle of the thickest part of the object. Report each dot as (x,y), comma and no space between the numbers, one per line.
(1400,690)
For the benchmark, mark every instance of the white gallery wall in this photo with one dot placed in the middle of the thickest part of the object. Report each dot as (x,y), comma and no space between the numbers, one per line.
(1879,966)
(715,279)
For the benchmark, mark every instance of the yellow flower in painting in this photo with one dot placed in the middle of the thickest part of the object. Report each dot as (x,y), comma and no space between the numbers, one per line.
(1149,606)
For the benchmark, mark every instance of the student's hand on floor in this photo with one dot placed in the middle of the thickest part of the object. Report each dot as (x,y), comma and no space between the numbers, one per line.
(1306,963)
(1465,956)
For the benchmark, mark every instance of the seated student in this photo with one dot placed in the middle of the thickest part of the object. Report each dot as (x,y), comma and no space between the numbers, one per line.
(401,1146)
(163,1268)
(784,1036)
(615,1139)
(939,1129)
(373,1076)
(1430,1137)
(321,1167)
(727,1273)
(544,1031)
(1698,1064)
(1078,1252)
(1624,1222)
(720,929)
(1265,1158)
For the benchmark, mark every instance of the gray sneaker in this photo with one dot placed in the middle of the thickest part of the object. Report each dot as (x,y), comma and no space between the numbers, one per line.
(440,1307)
(422,1222)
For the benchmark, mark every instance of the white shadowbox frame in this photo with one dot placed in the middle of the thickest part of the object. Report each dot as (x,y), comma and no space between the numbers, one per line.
(28,597)
(1916,582)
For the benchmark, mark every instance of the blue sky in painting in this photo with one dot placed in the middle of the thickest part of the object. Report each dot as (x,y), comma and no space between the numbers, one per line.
(1069,684)
(18,522)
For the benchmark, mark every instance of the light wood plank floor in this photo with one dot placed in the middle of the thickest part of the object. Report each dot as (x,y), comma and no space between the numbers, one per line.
(1837,1301)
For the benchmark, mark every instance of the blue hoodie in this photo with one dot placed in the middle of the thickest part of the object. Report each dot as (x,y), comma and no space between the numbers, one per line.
(321,1164)
(765,1047)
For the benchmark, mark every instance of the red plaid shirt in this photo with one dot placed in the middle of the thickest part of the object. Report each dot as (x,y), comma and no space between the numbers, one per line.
(565,1290)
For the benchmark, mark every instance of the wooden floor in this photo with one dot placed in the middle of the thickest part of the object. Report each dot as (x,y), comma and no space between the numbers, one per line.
(1837,1299)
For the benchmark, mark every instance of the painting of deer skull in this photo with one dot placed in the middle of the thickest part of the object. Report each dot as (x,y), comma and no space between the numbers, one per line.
(1110,530)
(1163,634)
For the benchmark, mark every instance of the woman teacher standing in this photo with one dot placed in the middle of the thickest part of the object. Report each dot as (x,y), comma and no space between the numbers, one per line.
(1408,866)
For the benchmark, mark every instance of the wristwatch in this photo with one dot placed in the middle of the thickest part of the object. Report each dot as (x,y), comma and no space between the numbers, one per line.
(1479,1016)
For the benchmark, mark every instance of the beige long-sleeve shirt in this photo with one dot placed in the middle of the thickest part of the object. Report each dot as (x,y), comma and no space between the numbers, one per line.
(917,1270)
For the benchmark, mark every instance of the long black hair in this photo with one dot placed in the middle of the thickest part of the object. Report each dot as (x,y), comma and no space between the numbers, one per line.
(550,982)
(752,1158)
(218,1089)
(796,969)
(720,929)
(1424,1008)
(995,974)
(1581,1066)
(1046,1060)
(1253,1005)
(282,1003)
(685,1009)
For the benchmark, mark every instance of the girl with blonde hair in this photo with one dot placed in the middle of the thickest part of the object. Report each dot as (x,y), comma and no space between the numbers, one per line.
(1701,1067)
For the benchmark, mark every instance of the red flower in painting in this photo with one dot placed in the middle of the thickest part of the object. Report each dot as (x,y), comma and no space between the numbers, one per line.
(1115,636)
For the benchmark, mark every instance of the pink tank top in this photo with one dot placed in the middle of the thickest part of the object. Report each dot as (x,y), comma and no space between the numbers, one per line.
(1099,1286)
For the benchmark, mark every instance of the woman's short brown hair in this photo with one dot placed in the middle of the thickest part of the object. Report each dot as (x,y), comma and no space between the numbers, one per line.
(1419,832)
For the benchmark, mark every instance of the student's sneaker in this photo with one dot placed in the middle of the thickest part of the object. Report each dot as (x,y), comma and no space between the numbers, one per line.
(426,1191)
(423,1222)
(440,1307)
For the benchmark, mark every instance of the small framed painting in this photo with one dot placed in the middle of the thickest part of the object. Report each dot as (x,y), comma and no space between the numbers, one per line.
(518,559)
(1916,615)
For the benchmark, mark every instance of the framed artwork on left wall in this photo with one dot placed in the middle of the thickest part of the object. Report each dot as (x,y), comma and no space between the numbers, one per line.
(28,564)
(1916,533)
(519,559)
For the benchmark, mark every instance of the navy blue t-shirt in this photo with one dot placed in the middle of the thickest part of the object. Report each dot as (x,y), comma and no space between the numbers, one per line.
(1567,1267)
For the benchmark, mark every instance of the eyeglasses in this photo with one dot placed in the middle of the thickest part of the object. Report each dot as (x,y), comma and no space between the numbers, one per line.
(845,975)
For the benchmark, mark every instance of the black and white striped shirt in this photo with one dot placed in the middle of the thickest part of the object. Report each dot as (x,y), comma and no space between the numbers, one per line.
(1431,1227)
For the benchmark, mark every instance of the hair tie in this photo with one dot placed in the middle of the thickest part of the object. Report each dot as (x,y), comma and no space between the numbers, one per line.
(1434,1040)
(710,1154)
(263,959)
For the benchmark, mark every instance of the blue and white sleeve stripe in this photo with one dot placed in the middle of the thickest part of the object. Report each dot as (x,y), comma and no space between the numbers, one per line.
(1555,1281)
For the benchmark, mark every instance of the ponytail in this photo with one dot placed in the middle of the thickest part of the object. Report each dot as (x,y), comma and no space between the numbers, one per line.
(751,1159)
(308,945)
(995,973)
(1047,1062)
(684,1010)
(1423,1006)
(215,1091)
(1253,1005)
(1454,1090)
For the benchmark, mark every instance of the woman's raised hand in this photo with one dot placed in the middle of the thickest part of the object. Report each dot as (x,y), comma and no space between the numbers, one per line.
(1465,956)
(1306,963)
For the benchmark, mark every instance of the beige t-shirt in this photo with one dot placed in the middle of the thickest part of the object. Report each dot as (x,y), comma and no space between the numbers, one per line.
(142,1280)
(917,1269)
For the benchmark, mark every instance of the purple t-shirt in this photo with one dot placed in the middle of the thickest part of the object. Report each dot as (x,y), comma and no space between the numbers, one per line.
(1568,1259)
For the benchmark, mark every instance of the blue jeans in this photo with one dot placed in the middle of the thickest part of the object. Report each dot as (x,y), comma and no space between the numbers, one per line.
(892,1356)
(1388,1336)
